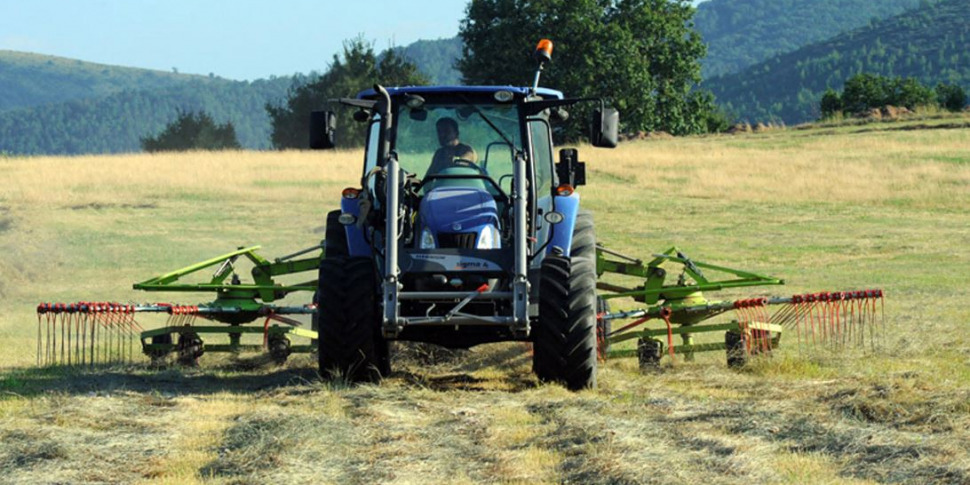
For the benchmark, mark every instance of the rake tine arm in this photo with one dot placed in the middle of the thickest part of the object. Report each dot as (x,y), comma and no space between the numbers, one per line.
(173,276)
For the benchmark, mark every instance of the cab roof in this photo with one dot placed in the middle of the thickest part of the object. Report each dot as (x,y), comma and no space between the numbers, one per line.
(544,93)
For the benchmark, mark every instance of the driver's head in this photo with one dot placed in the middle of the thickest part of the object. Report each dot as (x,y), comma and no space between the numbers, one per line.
(447,131)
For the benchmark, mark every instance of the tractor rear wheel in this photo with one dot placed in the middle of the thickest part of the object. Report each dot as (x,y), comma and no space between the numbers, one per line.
(350,343)
(565,334)
(336,236)
(336,246)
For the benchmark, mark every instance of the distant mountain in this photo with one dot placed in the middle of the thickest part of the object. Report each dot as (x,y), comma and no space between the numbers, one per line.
(929,44)
(28,79)
(435,59)
(54,105)
(740,33)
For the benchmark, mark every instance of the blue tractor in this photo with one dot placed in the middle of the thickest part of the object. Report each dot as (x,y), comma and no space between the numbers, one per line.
(464,230)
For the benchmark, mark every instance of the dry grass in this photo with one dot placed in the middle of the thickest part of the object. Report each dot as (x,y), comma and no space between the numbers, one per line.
(796,168)
(134,180)
(841,208)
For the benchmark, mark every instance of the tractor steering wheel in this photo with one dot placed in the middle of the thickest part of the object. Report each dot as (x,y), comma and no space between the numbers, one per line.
(466,163)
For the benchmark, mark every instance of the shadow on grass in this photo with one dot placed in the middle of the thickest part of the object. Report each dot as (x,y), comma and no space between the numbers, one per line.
(502,369)
(173,381)
(505,367)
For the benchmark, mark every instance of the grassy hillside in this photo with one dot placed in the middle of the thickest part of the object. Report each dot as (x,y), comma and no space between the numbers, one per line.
(53,106)
(740,33)
(928,44)
(878,205)
(116,123)
(28,80)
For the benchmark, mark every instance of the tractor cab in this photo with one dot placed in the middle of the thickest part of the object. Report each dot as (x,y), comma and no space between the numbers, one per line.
(457,148)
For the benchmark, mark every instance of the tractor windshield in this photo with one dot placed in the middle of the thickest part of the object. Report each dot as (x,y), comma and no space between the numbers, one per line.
(455,139)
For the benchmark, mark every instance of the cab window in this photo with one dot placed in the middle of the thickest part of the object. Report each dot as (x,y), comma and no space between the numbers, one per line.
(542,151)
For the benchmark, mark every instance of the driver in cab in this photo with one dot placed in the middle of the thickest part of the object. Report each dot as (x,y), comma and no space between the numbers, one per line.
(451,148)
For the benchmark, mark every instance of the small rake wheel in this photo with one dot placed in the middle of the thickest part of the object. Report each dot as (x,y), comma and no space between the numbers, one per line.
(279,348)
(158,356)
(649,353)
(189,348)
(736,345)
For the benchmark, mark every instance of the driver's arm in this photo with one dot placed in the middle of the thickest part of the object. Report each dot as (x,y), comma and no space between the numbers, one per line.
(466,152)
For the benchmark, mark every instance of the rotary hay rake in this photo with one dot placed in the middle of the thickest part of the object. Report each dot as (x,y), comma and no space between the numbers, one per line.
(98,333)
(86,333)
(825,319)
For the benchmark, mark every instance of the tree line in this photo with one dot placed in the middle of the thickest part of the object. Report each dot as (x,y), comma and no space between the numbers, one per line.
(865,92)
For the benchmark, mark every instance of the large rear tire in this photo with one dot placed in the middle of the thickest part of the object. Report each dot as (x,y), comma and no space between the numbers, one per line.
(565,334)
(336,236)
(336,247)
(350,344)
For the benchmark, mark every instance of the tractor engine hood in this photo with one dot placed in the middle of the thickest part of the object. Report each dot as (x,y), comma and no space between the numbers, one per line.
(458,210)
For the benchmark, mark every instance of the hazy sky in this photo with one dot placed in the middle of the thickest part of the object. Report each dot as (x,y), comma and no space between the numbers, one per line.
(238,39)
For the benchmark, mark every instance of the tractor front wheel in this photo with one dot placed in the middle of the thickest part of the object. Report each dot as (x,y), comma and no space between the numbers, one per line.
(350,344)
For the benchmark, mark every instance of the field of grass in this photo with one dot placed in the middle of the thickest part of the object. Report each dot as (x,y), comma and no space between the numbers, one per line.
(826,209)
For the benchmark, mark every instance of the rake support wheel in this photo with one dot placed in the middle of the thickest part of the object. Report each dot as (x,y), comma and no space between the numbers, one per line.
(736,345)
(189,348)
(649,353)
(158,356)
(279,348)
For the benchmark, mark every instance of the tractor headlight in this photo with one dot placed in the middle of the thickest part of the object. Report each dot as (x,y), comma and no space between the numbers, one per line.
(488,239)
(427,240)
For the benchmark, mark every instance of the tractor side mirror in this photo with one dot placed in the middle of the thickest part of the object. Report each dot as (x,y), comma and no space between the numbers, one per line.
(323,124)
(605,128)
(569,169)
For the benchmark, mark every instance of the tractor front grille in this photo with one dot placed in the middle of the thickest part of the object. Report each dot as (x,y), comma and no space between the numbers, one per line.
(457,240)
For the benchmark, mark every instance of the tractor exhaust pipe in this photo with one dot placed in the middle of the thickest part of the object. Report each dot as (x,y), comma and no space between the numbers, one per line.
(392,170)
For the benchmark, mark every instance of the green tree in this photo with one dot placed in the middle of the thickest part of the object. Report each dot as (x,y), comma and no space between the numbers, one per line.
(192,131)
(911,93)
(865,91)
(641,53)
(712,118)
(831,103)
(951,96)
(357,69)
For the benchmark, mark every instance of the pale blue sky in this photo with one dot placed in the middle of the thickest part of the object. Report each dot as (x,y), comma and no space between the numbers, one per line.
(237,39)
